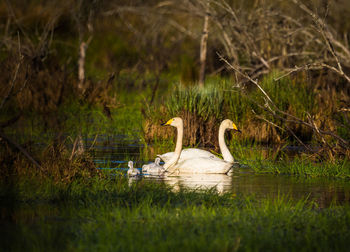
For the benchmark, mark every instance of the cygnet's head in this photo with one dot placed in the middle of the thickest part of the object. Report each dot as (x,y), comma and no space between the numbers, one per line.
(131,164)
(157,161)
(228,124)
(145,168)
(175,122)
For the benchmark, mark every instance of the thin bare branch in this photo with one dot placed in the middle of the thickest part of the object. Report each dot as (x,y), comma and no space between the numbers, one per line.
(246,76)
(20,148)
(12,84)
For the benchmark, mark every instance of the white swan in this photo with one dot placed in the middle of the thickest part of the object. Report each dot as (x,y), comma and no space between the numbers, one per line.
(132,171)
(195,164)
(196,153)
(153,168)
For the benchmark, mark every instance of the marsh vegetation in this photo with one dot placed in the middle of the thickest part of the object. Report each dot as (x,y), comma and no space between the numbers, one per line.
(109,214)
(85,85)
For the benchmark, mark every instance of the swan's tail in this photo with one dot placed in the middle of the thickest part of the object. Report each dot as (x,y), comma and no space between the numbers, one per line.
(234,164)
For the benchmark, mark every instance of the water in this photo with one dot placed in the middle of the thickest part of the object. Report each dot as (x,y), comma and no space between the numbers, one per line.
(242,181)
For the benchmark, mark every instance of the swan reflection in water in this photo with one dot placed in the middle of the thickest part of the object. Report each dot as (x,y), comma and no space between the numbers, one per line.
(221,182)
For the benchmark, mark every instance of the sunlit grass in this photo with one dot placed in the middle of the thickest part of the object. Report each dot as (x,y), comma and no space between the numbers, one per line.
(302,167)
(205,103)
(223,98)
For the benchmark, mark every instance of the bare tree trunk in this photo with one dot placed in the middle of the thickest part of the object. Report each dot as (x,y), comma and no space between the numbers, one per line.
(81,65)
(203,49)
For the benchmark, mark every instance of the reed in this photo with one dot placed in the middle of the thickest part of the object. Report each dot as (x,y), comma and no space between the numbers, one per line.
(204,108)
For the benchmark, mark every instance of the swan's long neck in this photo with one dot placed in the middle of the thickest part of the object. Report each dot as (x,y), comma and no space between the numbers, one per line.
(178,148)
(223,148)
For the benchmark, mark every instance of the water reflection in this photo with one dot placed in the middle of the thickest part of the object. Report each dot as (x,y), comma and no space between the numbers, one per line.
(242,181)
(221,182)
(323,191)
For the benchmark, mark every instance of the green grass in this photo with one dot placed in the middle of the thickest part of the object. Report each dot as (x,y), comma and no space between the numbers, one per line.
(219,99)
(301,167)
(205,103)
(288,94)
(75,117)
(109,215)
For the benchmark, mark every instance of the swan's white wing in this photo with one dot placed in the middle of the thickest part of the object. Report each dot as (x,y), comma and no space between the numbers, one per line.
(189,154)
(202,165)
(166,156)
(145,167)
(153,169)
(148,167)
(156,170)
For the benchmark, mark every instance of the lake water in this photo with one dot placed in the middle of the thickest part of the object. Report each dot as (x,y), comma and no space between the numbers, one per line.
(115,153)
